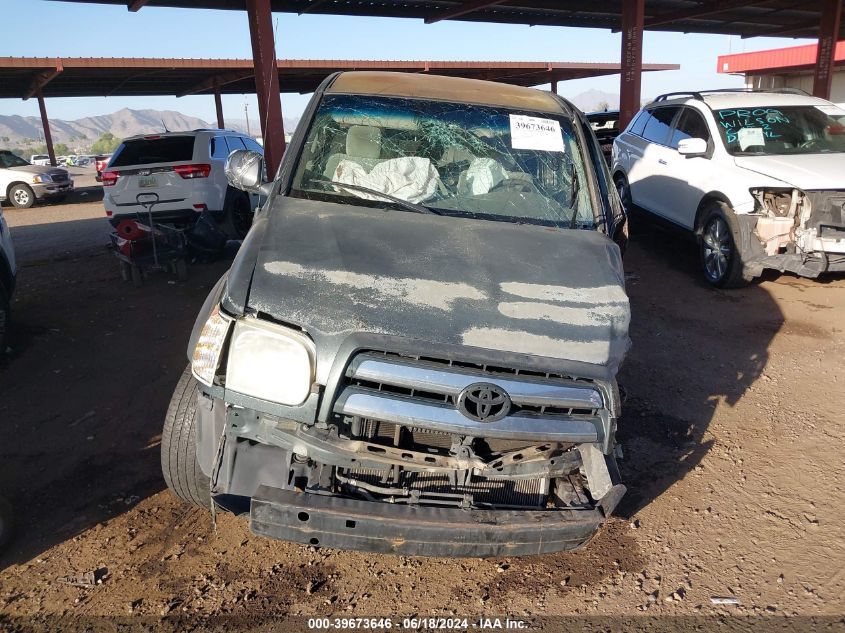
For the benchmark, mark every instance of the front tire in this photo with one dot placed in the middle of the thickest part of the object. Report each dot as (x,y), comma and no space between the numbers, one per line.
(624,191)
(21,196)
(718,236)
(179,463)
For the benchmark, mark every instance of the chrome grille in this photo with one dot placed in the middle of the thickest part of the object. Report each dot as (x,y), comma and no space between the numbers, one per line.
(422,393)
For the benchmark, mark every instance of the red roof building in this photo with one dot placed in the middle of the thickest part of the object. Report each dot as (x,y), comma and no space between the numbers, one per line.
(790,67)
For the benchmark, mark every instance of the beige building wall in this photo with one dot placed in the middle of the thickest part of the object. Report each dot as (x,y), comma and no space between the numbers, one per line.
(802,81)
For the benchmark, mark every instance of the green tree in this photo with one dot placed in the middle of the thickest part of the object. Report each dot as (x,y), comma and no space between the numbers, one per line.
(106,144)
(61,149)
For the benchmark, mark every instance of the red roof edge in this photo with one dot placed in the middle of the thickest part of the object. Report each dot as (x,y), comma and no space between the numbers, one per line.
(777,58)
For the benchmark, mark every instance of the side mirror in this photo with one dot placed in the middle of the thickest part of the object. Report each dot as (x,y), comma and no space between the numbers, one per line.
(692,147)
(245,170)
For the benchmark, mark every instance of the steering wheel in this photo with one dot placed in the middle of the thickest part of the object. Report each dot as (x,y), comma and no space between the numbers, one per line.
(517,184)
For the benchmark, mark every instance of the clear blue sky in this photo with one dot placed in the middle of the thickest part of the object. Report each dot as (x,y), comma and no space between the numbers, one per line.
(81,30)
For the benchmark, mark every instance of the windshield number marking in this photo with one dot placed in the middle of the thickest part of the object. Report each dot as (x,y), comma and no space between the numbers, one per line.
(529,132)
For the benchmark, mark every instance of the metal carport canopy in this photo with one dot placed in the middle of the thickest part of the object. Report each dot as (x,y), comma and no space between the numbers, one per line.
(747,18)
(132,76)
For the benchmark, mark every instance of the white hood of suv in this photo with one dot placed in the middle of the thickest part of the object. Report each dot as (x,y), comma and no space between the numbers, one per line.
(804,171)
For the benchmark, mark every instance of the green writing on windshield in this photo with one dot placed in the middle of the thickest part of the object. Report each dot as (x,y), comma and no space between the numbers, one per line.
(762,118)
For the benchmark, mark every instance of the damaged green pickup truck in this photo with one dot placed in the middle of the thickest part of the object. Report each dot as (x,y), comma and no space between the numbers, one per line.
(416,347)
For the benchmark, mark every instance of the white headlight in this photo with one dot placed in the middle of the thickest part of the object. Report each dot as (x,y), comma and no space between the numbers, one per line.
(270,362)
(209,347)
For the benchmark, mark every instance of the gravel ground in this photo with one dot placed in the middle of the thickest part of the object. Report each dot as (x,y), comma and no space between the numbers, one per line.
(731,434)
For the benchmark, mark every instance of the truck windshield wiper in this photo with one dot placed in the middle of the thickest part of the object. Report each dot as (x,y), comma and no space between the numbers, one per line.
(413,206)
(573,201)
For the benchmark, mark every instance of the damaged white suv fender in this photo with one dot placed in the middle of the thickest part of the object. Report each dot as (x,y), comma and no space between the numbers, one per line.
(415,350)
(758,176)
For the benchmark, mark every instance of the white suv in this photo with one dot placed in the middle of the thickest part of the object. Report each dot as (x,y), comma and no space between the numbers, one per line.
(759,177)
(185,170)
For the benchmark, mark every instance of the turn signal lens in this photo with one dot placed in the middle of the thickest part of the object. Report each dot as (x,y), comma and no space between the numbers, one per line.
(109,178)
(209,347)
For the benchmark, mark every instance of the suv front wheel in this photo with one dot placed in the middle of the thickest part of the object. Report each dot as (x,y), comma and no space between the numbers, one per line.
(718,235)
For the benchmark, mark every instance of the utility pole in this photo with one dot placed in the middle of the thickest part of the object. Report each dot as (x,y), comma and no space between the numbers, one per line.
(246,115)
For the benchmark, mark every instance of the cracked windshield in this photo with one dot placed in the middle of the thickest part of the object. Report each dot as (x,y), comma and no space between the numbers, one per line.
(446,158)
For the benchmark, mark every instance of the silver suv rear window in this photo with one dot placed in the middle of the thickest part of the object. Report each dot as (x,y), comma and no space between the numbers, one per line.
(145,151)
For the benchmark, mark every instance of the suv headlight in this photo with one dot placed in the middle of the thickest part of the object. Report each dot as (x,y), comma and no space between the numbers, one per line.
(38,178)
(270,362)
(209,347)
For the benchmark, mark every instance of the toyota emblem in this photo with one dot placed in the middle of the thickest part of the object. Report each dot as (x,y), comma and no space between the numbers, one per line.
(484,402)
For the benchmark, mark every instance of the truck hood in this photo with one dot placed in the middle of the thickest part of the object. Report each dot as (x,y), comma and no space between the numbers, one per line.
(38,169)
(805,171)
(335,270)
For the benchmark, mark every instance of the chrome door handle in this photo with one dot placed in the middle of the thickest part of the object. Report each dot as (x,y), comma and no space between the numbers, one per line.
(662,162)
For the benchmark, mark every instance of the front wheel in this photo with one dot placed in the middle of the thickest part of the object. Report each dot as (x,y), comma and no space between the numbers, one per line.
(721,261)
(22,196)
(624,191)
(179,463)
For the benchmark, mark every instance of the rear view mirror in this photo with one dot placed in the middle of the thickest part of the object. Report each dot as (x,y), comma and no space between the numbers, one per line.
(692,147)
(245,170)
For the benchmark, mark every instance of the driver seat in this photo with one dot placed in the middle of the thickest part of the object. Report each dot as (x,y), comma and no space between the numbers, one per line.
(363,146)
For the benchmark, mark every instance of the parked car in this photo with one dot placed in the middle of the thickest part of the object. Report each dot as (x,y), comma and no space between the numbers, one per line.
(606,126)
(756,176)
(8,275)
(186,170)
(101,161)
(416,346)
(39,159)
(22,183)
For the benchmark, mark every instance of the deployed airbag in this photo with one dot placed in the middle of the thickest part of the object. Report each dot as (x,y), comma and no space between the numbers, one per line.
(410,178)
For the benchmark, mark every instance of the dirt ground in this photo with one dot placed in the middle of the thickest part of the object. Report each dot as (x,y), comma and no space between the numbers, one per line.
(732,434)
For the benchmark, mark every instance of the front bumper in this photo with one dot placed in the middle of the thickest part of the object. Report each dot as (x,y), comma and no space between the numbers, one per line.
(329,521)
(52,189)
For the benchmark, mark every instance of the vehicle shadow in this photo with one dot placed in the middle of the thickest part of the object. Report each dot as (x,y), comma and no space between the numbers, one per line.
(51,241)
(84,392)
(695,349)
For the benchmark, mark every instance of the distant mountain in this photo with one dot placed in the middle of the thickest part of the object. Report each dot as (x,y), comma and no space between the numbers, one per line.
(593,100)
(15,131)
